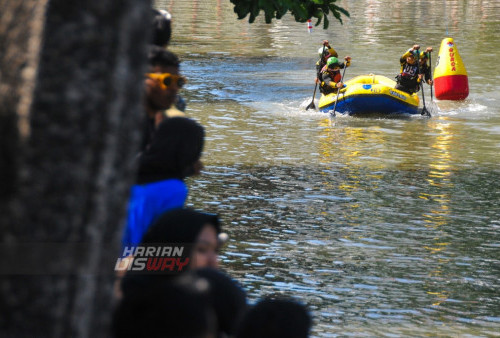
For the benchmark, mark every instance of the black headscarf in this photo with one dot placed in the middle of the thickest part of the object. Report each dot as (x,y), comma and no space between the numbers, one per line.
(179,226)
(162,28)
(175,227)
(176,146)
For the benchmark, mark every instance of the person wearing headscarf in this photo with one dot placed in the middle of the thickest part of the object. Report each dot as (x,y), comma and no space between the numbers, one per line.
(173,155)
(279,317)
(198,234)
(162,27)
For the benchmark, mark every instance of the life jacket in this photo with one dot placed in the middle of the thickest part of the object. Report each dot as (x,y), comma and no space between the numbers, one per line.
(409,71)
(408,77)
(337,77)
(334,77)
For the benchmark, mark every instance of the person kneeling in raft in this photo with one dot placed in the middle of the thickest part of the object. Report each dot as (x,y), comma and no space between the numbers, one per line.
(324,52)
(408,80)
(331,79)
(425,69)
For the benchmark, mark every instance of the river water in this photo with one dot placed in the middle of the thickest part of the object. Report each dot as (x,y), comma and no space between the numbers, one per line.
(381,226)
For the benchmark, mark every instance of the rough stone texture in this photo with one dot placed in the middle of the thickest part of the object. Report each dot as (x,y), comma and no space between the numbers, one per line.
(75,164)
(17,29)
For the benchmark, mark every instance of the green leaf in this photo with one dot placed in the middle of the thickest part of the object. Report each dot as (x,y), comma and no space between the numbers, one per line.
(254,10)
(318,13)
(268,9)
(325,9)
(300,13)
(281,8)
(241,9)
(336,13)
(319,21)
(336,8)
(302,10)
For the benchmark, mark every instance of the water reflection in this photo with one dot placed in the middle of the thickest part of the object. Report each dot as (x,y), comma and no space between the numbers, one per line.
(382,226)
(438,217)
(372,229)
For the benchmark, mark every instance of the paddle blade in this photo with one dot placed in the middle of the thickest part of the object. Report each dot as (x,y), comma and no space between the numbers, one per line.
(311,105)
(425,112)
(432,108)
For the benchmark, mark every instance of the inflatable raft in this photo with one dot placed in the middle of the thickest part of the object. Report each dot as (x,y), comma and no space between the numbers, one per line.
(370,94)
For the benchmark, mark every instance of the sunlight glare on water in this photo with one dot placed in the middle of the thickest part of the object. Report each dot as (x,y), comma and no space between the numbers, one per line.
(382,226)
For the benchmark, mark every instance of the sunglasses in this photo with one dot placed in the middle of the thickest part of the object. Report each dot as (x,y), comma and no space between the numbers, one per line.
(166,79)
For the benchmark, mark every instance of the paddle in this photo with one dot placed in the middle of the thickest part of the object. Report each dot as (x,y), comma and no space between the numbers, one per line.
(311,105)
(430,69)
(432,106)
(424,110)
(338,91)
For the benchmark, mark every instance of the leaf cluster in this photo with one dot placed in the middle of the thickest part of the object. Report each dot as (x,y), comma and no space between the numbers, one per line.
(302,10)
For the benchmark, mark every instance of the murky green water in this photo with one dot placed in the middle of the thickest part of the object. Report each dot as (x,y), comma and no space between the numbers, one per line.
(382,226)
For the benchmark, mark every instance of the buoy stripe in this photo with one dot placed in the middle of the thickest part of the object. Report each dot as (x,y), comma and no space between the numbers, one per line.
(451,87)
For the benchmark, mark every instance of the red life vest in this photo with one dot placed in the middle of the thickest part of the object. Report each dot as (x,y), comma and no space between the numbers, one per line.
(337,77)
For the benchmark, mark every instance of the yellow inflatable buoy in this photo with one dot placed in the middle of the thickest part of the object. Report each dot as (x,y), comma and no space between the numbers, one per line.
(450,76)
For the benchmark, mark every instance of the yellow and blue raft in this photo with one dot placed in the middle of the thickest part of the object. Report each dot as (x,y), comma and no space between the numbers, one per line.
(370,94)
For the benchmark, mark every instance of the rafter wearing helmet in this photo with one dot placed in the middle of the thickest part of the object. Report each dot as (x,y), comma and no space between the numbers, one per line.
(324,53)
(330,77)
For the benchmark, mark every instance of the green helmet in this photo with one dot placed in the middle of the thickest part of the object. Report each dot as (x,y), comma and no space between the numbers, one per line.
(332,62)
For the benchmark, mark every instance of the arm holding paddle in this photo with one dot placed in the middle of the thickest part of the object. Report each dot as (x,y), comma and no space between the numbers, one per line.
(324,53)
(346,64)
(420,72)
(409,52)
(331,78)
(332,113)
(330,49)
(426,67)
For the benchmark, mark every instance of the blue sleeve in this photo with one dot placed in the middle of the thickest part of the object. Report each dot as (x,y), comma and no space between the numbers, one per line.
(147,203)
(174,197)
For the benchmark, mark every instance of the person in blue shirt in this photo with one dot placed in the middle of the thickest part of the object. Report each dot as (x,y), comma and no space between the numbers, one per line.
(173,155)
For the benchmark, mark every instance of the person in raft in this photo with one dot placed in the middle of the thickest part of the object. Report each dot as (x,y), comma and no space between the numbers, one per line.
(408,80)
(330,77)
(425,68)
(324,53)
